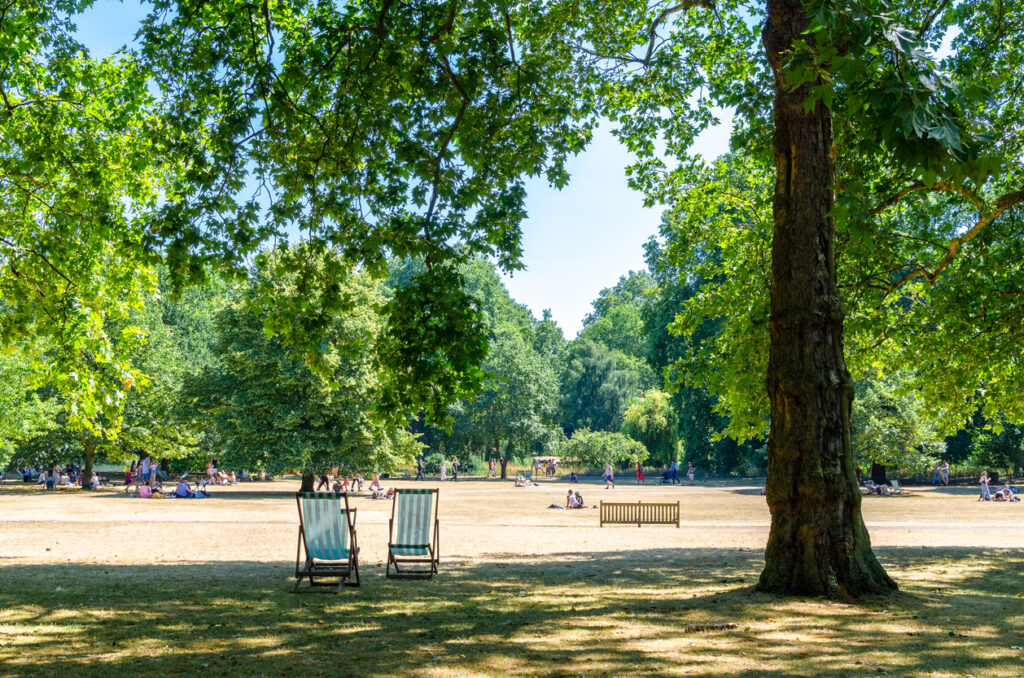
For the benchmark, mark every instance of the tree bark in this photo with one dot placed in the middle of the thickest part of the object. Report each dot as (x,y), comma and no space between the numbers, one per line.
(502,459)
(307,482)
(818,544)
(88,456)
(878,476)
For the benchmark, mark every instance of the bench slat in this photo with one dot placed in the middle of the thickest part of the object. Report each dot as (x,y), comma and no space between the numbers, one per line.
(650,513)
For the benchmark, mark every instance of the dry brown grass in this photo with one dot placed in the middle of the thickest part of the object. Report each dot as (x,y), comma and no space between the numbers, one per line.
(166,586)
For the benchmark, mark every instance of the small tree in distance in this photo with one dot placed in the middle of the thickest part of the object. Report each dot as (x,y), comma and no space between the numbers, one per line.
(591,449)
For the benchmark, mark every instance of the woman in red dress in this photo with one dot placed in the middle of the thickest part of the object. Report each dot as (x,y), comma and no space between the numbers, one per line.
(639,473)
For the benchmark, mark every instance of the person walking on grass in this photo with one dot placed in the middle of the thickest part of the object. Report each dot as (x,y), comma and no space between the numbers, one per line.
(609,476)
(673,472)
(444,472)
(944,470)
(419,468)
(455,469)
(690,471)
(985,495)
(936,475)
(490,468)
(639,473)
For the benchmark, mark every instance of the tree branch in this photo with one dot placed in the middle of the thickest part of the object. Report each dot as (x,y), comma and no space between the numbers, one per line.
(920,186)
(40,255)
(466,100)
(987,216)
(665,14)
(930,19)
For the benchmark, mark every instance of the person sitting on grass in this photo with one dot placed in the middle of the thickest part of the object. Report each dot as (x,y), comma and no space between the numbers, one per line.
(1005,493)
(383,494)
(570,500)
(94,482)
(573,478)
(340,485)
(183,490)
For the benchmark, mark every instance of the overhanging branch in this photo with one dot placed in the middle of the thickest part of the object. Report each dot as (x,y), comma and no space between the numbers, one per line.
(663,16)
(987,213)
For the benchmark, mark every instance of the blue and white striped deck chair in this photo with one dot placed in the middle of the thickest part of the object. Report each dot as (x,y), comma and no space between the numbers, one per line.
(327,535)
(411,550)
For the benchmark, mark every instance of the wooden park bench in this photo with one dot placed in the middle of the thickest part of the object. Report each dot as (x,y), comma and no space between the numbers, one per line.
(616,513)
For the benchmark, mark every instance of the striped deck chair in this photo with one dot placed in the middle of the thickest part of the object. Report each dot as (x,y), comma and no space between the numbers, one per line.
(327,535)
(413,518)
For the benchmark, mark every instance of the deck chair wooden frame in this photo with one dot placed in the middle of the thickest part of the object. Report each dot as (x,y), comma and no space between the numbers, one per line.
(896,487)
(327,553)
(412,553)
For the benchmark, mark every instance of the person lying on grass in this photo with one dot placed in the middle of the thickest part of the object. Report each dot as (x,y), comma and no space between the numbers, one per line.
(1005,493)
(883,490)
(383,494)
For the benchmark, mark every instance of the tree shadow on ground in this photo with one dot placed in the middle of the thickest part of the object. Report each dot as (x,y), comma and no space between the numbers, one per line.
(747,490)
(650,612)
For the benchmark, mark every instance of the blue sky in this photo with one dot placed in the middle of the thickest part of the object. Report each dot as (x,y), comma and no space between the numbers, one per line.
(576,241)
(581,239)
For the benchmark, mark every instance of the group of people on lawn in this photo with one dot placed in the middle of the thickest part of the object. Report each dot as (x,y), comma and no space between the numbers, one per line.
(52,478)
(1003,494)
(573,500)
(443,471)
(670,476)
(341,484)
(941,476)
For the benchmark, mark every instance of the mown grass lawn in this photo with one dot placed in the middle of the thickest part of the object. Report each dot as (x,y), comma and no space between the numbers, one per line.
(610,611)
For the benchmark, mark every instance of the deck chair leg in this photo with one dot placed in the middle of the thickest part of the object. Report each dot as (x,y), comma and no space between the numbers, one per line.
(353,570)
(437,547)
(298,551)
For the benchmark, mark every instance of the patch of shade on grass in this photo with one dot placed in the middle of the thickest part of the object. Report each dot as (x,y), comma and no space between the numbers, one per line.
(616,613)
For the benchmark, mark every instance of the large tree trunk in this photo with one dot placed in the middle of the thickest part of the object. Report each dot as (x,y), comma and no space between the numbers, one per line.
(818,544)
(503,459)
(88,455)
(307,482)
